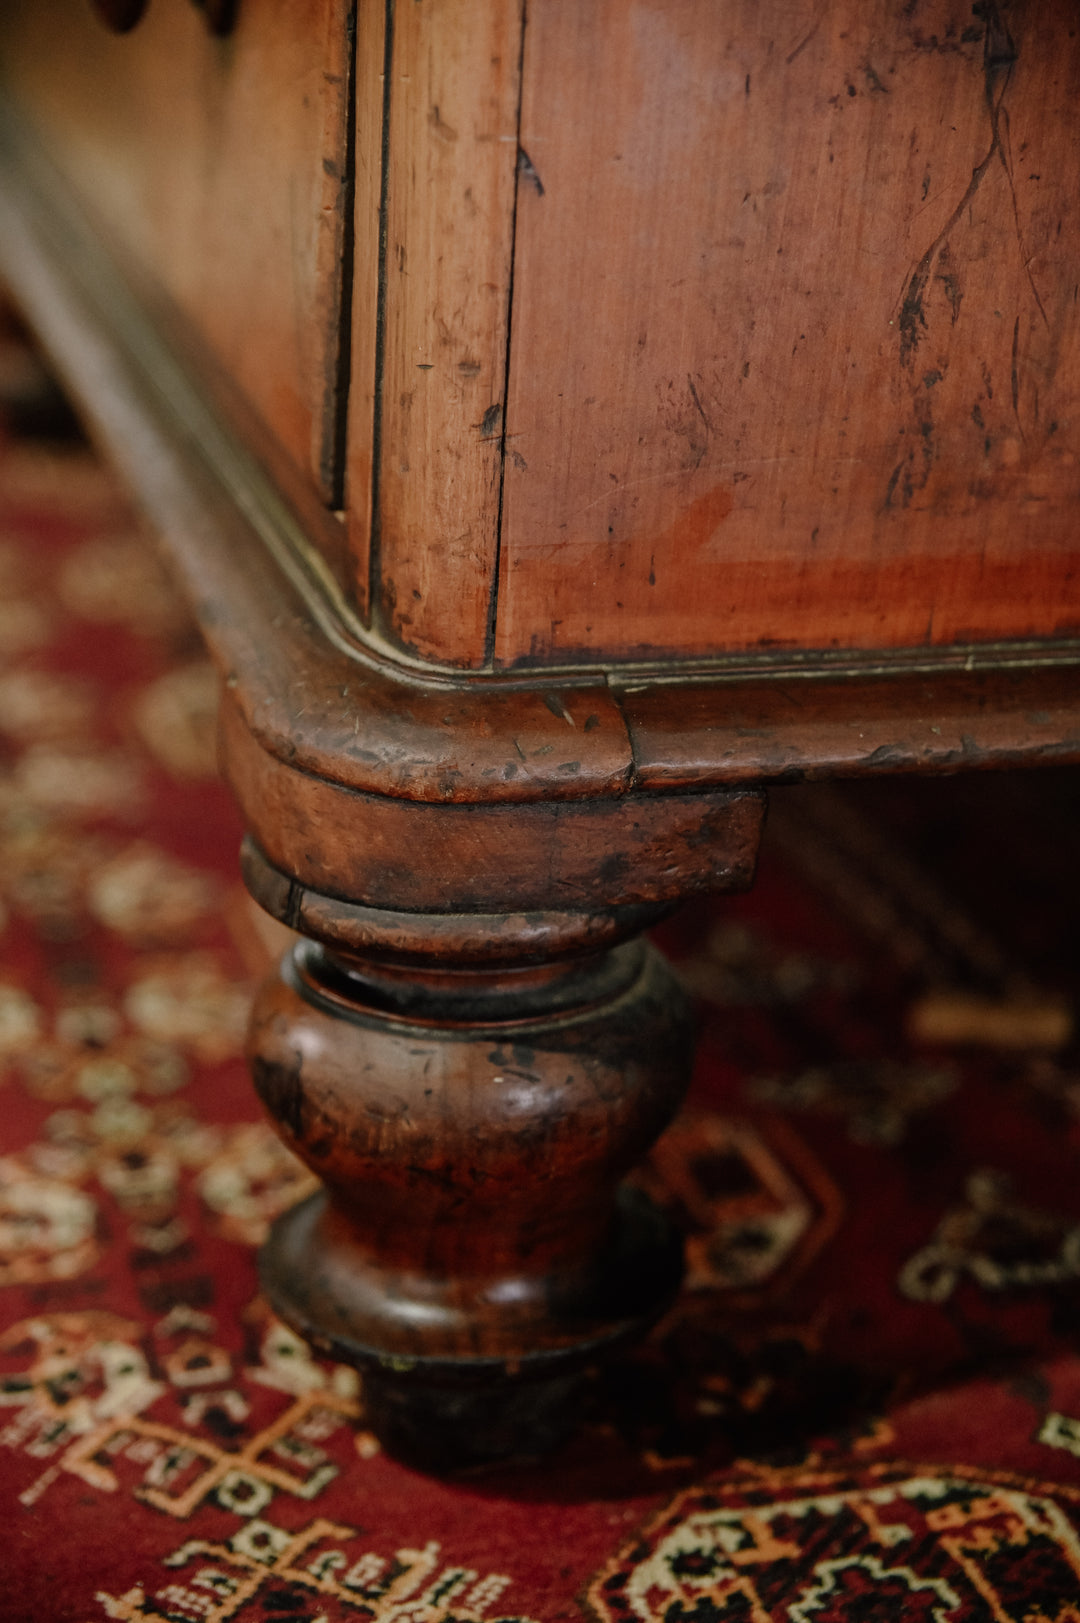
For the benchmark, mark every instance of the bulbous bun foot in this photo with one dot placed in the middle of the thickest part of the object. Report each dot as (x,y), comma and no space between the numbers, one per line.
(444,1427)
(473,1249)
(445,1414)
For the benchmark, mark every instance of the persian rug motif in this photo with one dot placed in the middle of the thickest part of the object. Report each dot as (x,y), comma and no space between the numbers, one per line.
(826,1548)
(883,1227)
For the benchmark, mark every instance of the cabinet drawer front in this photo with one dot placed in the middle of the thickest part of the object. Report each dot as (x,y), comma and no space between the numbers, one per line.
(795,343)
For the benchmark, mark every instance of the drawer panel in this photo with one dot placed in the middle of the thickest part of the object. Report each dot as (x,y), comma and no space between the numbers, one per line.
(795,341)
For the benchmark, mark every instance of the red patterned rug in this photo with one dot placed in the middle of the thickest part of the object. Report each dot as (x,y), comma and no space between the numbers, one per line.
(866,1405)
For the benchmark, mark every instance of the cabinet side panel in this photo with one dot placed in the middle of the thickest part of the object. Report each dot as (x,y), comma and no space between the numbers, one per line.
(795,355)
(452,148)
(216,169)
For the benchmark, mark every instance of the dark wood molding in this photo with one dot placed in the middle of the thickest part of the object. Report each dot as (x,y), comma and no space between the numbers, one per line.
(397,936)
(479,857)
(371,722)
(686,734)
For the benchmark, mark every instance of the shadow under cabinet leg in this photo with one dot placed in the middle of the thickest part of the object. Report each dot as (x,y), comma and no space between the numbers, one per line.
(472,1249)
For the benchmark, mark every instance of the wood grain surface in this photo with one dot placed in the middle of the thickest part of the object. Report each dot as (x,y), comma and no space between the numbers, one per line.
(328,708)
(794,353)
(471,1248)
(217,168)
(541,856)
(674,329)
(450,185)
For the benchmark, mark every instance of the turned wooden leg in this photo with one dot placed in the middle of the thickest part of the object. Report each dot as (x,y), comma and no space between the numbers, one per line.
(472,1249)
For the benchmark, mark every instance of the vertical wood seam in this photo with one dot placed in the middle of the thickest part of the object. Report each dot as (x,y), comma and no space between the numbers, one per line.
(339,437)
(375,542)
(496,568)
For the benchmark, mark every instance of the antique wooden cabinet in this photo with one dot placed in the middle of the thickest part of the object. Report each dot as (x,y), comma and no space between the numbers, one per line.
(566,420)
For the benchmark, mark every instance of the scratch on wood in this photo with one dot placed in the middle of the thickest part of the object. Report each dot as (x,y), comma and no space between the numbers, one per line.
(803,43)
(999,56)
(445,131)
(1015,375)
(555,704)
(527,171)
(697,403)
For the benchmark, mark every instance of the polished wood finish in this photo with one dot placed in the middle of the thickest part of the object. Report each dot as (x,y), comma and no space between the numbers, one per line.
(796,348)
(242,232)
(535,855)
(398,936)
(792,347)
(470,1130)
(451,132)
(764,314)
(685,734)
(618,363)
